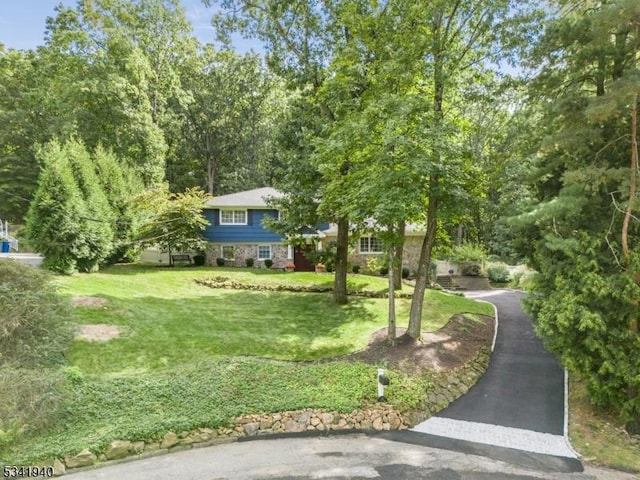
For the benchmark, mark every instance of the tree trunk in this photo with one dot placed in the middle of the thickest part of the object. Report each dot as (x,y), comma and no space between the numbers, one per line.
(633,426)
(391,332)
(397,258)
(342,252)
(415,316)
(211,174)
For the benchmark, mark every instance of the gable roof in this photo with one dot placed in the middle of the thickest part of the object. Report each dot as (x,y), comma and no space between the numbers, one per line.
(249,198)
(411,229)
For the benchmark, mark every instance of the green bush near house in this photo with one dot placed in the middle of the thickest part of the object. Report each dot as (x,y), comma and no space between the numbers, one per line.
(220,262)
(268,263)
(468,252)
(498,273)
(471,269)
(249,262)
(406,272)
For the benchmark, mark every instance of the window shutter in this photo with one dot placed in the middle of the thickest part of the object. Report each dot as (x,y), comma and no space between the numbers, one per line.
(216,217)
(249,217)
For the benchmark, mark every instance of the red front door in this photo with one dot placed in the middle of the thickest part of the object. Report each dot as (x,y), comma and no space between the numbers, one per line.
(302,263)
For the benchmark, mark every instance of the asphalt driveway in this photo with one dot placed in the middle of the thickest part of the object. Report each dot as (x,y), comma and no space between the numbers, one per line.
(520,401)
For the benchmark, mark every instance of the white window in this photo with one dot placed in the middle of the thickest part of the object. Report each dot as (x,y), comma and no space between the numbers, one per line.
(229,252)
(264,252)
(233,217)
(370,245)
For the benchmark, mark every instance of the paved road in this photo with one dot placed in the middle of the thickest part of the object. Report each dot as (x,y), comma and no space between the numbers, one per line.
(519,402)
(336,457)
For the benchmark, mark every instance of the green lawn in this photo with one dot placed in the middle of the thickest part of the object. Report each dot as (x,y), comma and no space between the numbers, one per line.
(168,319)
(193,356)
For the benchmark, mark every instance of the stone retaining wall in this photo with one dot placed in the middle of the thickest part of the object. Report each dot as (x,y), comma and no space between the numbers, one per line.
(447,386)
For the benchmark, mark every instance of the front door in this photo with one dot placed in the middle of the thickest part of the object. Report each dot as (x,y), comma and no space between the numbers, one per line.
(302,263)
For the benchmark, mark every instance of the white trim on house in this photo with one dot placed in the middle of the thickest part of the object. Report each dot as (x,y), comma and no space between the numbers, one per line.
(370,240)
(289,252)
(234,212)
(264,258)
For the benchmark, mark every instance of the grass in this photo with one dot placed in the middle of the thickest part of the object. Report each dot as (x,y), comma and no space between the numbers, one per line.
(193,356)
(599,434)
(168,319)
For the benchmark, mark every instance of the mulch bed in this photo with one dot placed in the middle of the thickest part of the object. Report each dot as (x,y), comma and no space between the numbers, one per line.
(450,347)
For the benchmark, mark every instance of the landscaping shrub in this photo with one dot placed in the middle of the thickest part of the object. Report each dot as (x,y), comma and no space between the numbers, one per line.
(249,262)
(406,272)
(355,269)
(219,261)
(268,263)
(377,265)
(33,327)
(472,269)
(34,337)
(468,252)
(498,272)
(199,260)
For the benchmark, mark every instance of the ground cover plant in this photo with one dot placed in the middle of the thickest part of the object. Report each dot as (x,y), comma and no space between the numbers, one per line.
(189,355)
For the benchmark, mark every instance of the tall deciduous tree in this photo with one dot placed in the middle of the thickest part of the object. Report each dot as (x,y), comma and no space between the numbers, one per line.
(459,39)
(227,123)
(300,36)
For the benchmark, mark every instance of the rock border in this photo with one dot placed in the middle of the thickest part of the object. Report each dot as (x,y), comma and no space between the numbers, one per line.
(224,282)
(447,387)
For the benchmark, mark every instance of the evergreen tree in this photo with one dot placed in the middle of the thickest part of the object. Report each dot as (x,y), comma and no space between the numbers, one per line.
(55,222)
(120,184)
(99,218)
(582,234)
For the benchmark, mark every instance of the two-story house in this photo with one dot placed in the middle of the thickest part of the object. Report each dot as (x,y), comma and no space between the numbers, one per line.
(236,232)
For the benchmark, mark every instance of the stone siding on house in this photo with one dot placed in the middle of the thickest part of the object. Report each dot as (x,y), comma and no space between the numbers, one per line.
(410,253)
(247,250)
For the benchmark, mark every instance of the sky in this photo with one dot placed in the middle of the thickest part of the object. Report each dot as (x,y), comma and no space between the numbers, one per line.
(23,22)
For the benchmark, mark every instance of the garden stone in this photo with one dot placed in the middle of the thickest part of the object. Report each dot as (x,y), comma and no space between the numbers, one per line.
(169,440)
(394,421)
(303,417)
(152,447)
(327,419)
(251,429)
(117,449)
(137,447)
(377,423)
(58,468)
(82,459)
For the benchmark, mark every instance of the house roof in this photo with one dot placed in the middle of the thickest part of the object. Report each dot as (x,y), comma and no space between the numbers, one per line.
(249,198)
(410,229)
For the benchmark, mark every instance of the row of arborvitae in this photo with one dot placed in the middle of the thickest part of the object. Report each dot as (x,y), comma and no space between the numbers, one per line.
(81,214)
(380,417)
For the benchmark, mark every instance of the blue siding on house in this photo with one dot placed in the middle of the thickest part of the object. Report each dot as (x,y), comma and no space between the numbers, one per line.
(252,233)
